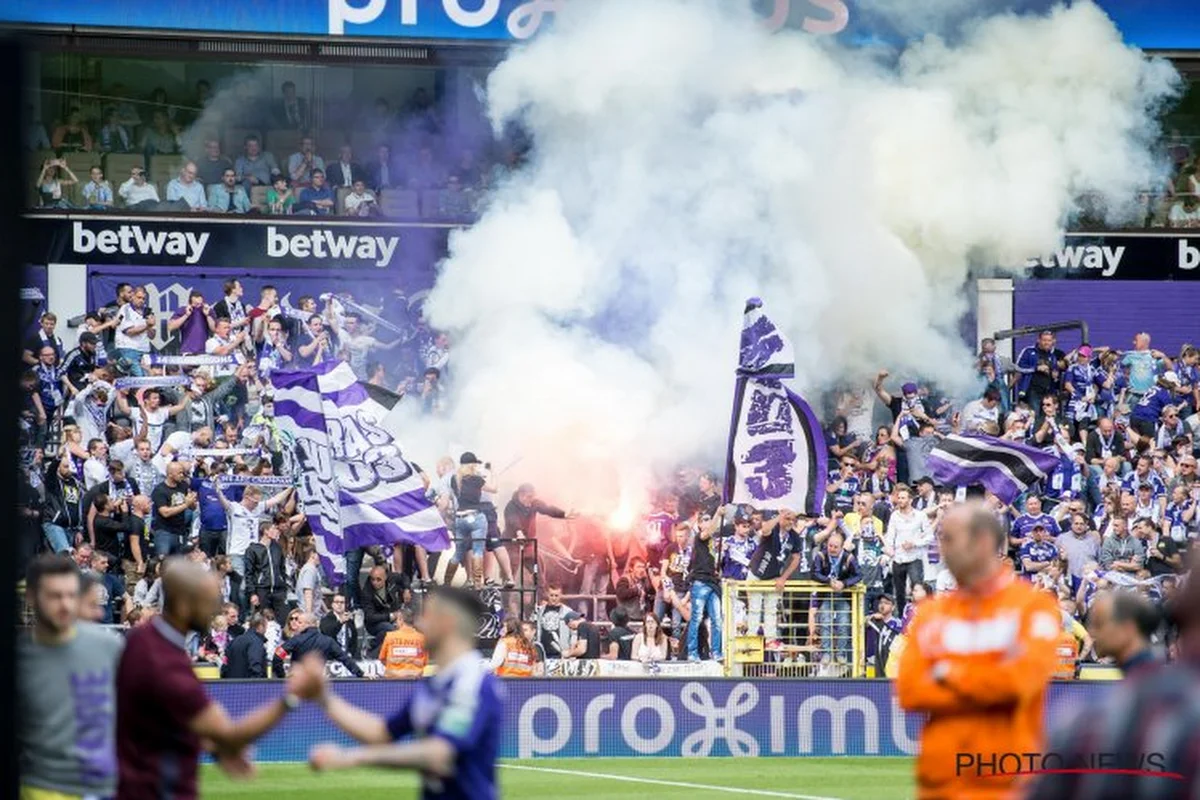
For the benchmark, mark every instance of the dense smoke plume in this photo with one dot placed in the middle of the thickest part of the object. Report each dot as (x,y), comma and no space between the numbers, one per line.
(685,158)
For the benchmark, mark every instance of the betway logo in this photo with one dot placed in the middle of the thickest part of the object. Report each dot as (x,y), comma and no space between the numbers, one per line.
(1099,257)
(133,240)
(323,243)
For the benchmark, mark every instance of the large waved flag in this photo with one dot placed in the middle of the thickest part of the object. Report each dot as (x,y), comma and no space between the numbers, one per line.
(776,457)
(1003,467)
(355,485)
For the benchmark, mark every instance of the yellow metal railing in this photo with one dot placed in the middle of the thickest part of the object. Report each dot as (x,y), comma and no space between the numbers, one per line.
(808,630)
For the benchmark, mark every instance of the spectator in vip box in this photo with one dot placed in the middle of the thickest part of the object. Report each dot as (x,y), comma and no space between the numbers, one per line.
(302,164)
(161,137)
(255,167)
(211,167)
(361,201)
(115,137)
(838,569)
(227,195)
(281,199)
(137,192)
(97,192)
(382,172)
(187,188)
(55,175)
(345,172)
(317,198)
(72,135)
(290,111)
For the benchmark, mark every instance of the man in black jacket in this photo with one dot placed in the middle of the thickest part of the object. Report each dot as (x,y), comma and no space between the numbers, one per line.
(1103,442)
(338,625)
(266,580)
(381,602)
(62,517)
(308,639)
(246,656)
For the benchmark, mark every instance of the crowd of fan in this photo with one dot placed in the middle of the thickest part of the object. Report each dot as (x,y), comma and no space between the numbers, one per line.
(1119,511)
(408,152)
(111,478)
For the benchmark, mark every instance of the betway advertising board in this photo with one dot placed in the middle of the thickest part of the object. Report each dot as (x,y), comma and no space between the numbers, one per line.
(572,718)
(183,242)
(1122,256)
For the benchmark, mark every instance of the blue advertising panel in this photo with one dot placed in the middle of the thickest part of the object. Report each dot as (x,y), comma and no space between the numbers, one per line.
(1150,24)
(548,718)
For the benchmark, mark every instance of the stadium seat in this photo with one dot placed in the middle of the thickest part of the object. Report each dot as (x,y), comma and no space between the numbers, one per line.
(118,165)
(258,197)
(431,203)
(164,169)
(234,142)
(340,208)
(400,204)
(283,143)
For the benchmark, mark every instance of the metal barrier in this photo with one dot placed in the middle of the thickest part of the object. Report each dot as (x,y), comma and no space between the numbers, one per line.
(806,631)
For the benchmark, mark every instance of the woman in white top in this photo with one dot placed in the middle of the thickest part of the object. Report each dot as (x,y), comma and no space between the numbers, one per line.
(651,644)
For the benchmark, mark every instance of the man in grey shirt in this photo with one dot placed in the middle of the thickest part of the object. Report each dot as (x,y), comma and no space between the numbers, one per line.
(1079,545)
(66,696)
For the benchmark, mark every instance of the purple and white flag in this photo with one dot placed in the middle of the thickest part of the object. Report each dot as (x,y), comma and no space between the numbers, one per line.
(356,486)
(776,456)
(1003,467)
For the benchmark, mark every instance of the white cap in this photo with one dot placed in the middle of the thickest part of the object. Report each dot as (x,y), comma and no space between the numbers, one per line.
(1170,377)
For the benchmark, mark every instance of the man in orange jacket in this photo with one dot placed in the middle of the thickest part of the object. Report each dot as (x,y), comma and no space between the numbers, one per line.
(403,651)
(977,662)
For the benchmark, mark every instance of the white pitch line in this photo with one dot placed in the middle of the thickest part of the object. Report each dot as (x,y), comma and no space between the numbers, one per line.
(677,784)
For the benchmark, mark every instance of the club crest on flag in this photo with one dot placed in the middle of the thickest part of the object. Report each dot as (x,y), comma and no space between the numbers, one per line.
(776,457)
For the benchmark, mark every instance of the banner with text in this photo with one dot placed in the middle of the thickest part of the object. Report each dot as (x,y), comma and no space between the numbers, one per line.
(565,718)
(1161,24)
(398,292)
(258,242)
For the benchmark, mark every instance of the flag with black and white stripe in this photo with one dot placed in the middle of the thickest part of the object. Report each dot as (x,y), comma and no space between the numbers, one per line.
(1005,468)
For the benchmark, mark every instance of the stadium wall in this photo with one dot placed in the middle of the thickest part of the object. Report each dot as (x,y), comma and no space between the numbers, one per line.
(655,717)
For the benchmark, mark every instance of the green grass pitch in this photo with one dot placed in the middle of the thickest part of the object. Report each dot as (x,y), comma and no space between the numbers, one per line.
(602,778)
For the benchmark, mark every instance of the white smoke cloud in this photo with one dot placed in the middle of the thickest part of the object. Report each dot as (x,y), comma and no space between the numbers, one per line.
(685,160)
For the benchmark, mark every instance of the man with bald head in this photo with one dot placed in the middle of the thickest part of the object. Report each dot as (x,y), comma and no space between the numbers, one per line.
(1121,624)
(163,714)
(977,661)
(306,639)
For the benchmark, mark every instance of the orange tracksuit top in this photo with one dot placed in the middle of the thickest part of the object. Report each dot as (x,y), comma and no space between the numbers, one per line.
(978,663)
(403,653)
